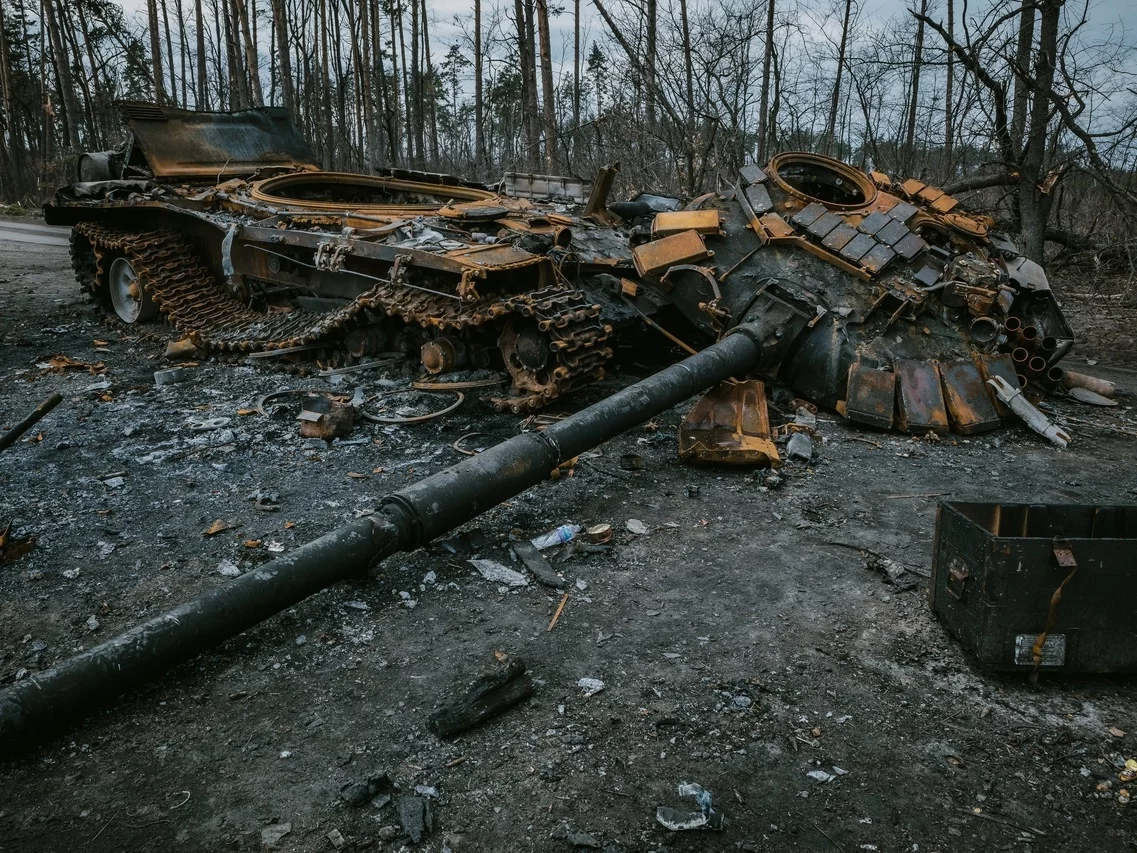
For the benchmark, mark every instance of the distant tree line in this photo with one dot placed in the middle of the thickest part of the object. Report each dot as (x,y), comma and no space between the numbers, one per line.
(1014,99)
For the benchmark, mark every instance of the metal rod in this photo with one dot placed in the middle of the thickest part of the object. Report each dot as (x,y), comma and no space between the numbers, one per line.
(405,520)
(9,438)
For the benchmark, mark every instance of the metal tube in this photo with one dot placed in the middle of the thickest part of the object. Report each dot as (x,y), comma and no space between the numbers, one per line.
(1073,379)
(152,648)
(405,520)
(9,438)
(438,504)
(984,330)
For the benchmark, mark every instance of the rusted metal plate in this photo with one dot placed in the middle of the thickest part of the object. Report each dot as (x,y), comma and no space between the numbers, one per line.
(970,409)
(656,257)
(871,396)
(752,174)
(944,204)
(759,198)
(493,256)
(920,398)
(910,246)
(824,224)
(858,247)
(874,222)
(776,227)
(677,221)
(903,211)
(893,233)
(809,214)
(1000,364)
(929,194)
(184,144)
(729,425)
(878,258)
(912,187)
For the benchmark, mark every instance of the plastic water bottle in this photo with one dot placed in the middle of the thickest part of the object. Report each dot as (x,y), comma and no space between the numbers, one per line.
(556,537)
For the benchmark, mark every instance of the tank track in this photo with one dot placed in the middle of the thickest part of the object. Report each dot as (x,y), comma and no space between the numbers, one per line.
(189,297)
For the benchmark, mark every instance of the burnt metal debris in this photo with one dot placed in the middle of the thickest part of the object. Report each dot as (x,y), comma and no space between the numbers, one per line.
(896,305)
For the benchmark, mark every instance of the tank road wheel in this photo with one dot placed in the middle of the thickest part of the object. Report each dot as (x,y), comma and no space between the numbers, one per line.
(131,301)
(527,353)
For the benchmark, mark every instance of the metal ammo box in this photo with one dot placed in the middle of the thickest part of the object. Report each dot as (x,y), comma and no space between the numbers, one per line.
(1003,575)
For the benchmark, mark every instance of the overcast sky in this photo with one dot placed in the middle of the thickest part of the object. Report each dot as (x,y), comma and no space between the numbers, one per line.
(1118,17)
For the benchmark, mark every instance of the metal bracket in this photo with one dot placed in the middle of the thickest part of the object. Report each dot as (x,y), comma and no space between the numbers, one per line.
(330,255)
(957,579)
(1064,554)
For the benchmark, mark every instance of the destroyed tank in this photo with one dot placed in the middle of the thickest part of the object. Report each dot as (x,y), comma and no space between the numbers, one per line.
(895,304)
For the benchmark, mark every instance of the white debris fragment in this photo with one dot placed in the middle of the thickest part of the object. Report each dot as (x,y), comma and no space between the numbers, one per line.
(494,571)
(637,527)
(229,569)
(590,686)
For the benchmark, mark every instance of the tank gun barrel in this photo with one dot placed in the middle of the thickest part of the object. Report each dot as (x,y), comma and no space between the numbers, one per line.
(404,521)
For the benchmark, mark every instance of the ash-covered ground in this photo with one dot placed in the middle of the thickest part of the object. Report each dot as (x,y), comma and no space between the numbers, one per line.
(748,640)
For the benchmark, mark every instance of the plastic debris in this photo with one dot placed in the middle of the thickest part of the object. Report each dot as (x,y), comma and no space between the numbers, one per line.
(637,527)
(494,571)
(562,534)
(821,776)
(677,820)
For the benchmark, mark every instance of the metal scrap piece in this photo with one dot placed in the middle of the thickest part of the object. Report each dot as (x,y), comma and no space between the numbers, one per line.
(970,409)
(730,425)
(871,396)
(658,256)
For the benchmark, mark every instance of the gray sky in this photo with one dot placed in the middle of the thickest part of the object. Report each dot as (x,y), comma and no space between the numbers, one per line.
(1106,17)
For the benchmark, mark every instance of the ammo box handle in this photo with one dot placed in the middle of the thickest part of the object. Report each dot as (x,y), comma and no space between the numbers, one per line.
(957,578)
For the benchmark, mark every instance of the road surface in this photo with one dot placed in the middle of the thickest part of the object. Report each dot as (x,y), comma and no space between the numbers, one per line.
(32,231)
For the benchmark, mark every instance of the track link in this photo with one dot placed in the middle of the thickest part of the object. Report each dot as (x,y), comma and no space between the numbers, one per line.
(189,297)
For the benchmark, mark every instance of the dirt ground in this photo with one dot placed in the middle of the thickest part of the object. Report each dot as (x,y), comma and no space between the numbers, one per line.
(747,640)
